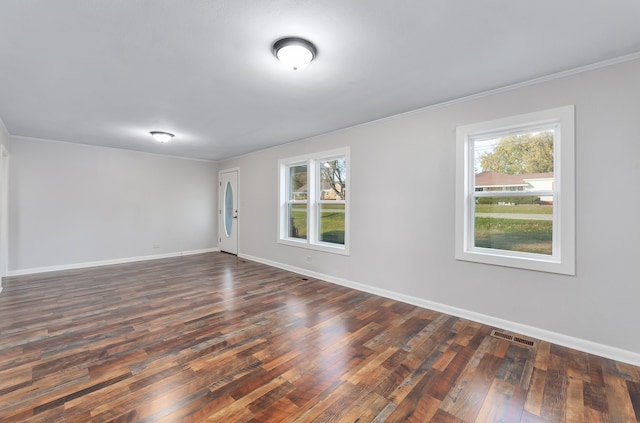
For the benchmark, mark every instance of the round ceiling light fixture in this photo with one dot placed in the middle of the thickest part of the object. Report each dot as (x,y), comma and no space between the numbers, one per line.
(161,136)
(295,53)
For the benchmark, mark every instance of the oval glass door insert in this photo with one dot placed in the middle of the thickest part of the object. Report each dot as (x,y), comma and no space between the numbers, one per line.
(228,209)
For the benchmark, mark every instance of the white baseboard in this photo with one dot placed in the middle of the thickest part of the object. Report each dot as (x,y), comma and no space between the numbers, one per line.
(73,266)
(542,334)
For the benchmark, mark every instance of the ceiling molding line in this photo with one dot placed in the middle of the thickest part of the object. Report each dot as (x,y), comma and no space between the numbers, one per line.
(506,88)
(167,156)
(494,91)
(535,81)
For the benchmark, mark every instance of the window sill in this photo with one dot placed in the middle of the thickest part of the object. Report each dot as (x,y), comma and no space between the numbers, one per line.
(535,262)
(324,247)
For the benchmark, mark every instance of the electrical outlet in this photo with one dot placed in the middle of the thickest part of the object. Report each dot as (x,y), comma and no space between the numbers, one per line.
(309,259)
(156,245)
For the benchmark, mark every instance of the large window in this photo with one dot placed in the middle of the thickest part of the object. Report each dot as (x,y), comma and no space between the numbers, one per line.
(515,192)
(314,208)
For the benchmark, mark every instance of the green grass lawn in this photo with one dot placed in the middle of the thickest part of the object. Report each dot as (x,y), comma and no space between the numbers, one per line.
(331,223)
(530,236)
(520,208)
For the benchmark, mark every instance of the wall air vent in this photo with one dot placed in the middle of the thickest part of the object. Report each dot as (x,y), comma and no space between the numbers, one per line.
(516,339)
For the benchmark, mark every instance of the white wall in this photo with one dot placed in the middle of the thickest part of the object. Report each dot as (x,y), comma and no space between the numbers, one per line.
(402,202)
(73,204)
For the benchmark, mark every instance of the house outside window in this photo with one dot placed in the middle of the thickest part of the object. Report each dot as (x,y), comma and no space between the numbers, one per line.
(314,208)
(515,191)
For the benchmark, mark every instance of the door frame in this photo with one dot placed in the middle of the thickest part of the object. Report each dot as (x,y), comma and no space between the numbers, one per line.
(221,202)
(4,213)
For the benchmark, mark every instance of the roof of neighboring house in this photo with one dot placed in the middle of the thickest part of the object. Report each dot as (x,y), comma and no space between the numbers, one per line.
(301,189)
(325,186)
(485,179)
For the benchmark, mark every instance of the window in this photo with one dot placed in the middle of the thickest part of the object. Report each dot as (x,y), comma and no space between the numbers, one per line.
(515,191)
(314,207)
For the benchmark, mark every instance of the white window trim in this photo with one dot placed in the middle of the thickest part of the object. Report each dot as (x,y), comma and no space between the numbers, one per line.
(563,260)
(312,161)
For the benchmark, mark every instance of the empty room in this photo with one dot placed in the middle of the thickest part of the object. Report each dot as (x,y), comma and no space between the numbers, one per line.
(201,217)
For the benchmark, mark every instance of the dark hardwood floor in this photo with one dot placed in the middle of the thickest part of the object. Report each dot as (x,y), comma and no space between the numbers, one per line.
(215,338)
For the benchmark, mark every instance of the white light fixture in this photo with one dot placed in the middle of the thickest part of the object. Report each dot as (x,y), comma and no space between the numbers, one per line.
(161,136)
(295,53)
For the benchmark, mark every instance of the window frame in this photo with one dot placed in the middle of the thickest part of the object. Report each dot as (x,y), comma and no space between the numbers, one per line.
(313,202)
(562,260)
(290,202)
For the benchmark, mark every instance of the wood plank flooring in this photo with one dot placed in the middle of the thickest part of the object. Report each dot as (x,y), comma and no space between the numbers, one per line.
(215,338)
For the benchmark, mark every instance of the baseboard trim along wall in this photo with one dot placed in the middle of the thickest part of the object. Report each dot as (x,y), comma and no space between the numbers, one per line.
(545,335)
(23,272)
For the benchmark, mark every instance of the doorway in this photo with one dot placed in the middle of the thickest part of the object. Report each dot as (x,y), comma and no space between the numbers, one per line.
(228,213)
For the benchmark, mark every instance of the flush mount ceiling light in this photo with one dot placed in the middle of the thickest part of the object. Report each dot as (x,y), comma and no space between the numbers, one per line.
(295,53)
(161,136)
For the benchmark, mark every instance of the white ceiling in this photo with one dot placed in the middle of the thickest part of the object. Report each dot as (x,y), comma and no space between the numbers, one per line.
(108,72)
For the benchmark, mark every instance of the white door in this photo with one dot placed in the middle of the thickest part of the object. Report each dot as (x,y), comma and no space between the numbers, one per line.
(229,211)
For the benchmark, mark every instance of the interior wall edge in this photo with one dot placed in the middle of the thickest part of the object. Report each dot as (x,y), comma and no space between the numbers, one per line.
(4,132)
(583,345)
